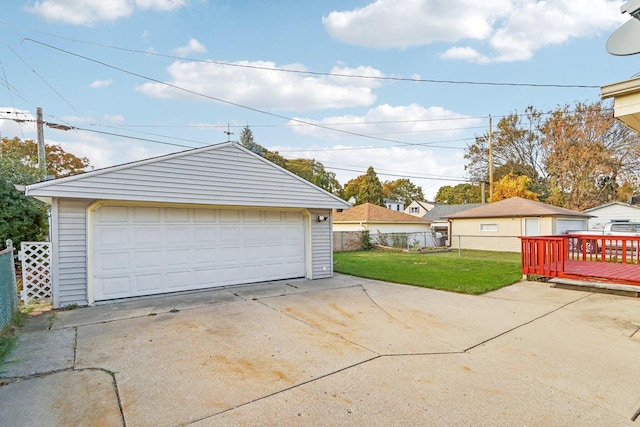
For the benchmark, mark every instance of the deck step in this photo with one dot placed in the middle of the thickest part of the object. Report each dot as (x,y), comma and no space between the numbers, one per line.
(597,287)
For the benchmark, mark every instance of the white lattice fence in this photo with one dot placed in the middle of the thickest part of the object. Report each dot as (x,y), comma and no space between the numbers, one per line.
(36,270)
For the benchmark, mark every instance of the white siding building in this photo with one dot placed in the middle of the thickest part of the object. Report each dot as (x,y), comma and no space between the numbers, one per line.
(612,211)
(214,216)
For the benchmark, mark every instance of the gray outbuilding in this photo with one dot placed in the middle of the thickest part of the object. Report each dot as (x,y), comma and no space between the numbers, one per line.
(209,217)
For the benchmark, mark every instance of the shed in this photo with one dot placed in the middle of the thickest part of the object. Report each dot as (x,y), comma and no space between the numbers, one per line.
(497,226)
(609,212)
(208,217)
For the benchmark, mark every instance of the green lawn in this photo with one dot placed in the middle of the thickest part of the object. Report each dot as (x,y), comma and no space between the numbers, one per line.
(471,272)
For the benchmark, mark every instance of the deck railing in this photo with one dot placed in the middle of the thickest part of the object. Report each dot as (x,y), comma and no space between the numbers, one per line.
(547,255)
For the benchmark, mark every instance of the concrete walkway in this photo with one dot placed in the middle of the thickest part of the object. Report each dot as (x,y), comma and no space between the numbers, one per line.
(345,351)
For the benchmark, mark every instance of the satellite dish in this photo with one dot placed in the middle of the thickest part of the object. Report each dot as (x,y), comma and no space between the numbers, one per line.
(626,39)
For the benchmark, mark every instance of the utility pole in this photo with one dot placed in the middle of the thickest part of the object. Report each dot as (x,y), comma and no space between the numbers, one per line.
(42,161)
(490,161)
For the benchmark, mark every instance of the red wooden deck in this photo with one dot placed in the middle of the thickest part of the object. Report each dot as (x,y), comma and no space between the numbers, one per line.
(626,274)
(595,258)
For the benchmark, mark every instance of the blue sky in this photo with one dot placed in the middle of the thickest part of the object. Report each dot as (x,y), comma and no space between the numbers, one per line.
(140,78)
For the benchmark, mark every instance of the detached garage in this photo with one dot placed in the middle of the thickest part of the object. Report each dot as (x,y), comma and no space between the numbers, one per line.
(215,216)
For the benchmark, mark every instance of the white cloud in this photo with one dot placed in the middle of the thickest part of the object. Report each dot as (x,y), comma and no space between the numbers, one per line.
(423,167)
(14,122)
(194,46)
(89,12)
(512,29)
(415,22)
(96,84)
(261,88)
(406,123)
(114,118)
(466,54)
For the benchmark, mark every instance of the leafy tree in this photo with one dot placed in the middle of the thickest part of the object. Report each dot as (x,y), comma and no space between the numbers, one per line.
(513,186)
(309,169)
(314,172)
(516,146)
(589,155)
(402,190)
(22,218)
(576,156)
(247,141)
(460,194)
(365,188)
(19,161)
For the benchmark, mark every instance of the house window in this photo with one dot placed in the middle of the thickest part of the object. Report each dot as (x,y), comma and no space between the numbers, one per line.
(415,209)
(489,227)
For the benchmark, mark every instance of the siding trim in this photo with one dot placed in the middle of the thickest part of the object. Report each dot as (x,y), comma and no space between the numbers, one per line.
(55,248)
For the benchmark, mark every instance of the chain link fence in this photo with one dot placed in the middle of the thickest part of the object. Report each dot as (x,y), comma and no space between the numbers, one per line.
(8,289)
(409,241)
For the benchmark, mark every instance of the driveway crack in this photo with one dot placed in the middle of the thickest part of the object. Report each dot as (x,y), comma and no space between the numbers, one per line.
(526,323)
(362,362)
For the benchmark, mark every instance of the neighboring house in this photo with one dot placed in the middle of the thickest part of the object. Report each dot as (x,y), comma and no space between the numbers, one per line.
(612,211)
(394,205)
(497,226)
(439,213)
(419,208)
(377,219)
(209,217)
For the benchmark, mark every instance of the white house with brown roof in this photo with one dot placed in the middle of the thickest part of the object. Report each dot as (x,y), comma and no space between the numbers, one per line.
(378,219)
(498,226)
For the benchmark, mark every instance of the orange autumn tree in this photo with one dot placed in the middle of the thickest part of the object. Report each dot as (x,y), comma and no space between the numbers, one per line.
(513,186)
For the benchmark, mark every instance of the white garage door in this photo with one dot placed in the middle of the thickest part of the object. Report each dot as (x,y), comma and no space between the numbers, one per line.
(151,250)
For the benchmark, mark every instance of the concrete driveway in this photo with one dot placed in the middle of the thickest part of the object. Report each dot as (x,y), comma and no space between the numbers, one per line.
(345,351)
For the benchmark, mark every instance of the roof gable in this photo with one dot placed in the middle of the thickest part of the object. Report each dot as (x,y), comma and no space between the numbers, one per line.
(516,207)
(222,174)
(440,212)
(612,204)
(368,212)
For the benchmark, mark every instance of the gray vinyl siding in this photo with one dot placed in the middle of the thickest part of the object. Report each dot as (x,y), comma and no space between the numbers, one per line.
(321,246)
(225,174)
(71,252)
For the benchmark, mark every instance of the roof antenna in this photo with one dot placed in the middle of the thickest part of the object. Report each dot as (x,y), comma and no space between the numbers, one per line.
(228,132)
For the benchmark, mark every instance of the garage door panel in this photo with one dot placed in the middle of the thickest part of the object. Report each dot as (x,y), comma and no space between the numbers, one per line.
(177,215)
(147,284)
(146,214)
(204,234)
(178,235)
(114,287)
(113,237)
(178,280)
(113,214)
(147,259)
(147,237)
(229,215)
(113,262)
(144,251)
(205,255)
(252,216)
(204,215)
(177,257)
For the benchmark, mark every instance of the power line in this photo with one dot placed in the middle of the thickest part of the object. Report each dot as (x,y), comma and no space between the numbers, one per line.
(43,79)
(220,99)
(326,74)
